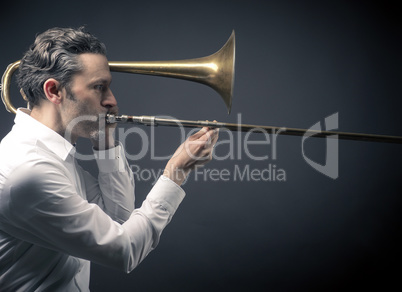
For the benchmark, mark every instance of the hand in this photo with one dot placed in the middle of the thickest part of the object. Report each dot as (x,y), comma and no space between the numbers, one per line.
(105,138)
(195,151)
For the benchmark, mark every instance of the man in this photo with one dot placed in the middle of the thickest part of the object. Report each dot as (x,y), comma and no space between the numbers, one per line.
(54,217)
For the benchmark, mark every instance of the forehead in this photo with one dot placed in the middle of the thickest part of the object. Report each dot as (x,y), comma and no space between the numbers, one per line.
(94,66)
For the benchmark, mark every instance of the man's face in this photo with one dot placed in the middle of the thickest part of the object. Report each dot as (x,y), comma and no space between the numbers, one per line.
(91,98)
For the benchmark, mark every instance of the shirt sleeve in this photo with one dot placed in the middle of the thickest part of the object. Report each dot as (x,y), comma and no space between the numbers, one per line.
(113,191)
(43,208)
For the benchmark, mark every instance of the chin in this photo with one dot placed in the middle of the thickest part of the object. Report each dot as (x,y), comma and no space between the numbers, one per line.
(98,135)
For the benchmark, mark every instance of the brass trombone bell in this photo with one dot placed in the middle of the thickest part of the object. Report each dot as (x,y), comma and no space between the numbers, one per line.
(216,71)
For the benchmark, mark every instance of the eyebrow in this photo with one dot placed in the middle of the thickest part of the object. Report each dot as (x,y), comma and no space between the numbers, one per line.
(101,80)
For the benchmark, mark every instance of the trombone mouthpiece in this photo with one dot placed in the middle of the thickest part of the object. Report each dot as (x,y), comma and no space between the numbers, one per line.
(110,119)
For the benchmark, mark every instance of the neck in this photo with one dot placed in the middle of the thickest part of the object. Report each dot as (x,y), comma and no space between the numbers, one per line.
(47,114)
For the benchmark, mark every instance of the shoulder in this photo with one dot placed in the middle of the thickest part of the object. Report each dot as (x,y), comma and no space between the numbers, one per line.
(37,186)
(26,154)
(27,170)
(38,171)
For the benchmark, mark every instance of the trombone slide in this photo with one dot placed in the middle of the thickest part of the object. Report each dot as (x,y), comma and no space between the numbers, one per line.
(154,121)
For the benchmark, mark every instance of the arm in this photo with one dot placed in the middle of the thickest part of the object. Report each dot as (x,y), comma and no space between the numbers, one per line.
(40,205)
(115,177)
(43,208)
(113,191)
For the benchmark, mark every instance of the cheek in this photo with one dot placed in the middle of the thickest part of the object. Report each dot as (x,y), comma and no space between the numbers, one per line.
(89,109)
(93,102)
(89,105)
(86,95)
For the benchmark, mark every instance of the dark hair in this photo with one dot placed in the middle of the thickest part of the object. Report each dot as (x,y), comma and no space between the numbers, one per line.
(54,54)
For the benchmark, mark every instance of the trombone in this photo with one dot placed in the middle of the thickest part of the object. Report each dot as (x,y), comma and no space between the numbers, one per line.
(215,71)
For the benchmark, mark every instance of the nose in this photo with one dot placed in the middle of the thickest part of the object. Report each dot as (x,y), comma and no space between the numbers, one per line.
(109,100)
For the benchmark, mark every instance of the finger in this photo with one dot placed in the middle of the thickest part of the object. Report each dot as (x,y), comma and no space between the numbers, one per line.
(207,139)
(212,137)
(215,136)
(203,131)
(199,134)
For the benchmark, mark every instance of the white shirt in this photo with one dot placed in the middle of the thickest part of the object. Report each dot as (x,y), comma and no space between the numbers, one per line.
(55,217)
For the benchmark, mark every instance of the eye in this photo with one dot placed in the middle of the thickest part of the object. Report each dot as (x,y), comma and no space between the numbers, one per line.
(100,87)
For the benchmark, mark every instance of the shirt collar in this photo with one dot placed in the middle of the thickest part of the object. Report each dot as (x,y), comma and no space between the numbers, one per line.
(52,140)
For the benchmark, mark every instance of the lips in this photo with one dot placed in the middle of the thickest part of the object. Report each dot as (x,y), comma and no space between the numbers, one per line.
(113,111)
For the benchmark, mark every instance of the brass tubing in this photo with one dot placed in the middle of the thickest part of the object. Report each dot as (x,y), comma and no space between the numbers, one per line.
(215,71)
(154,121)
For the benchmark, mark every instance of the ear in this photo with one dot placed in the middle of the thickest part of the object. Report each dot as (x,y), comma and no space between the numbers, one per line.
(51,87)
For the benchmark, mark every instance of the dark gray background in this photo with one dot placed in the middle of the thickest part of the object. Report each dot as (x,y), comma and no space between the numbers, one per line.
(296,63)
